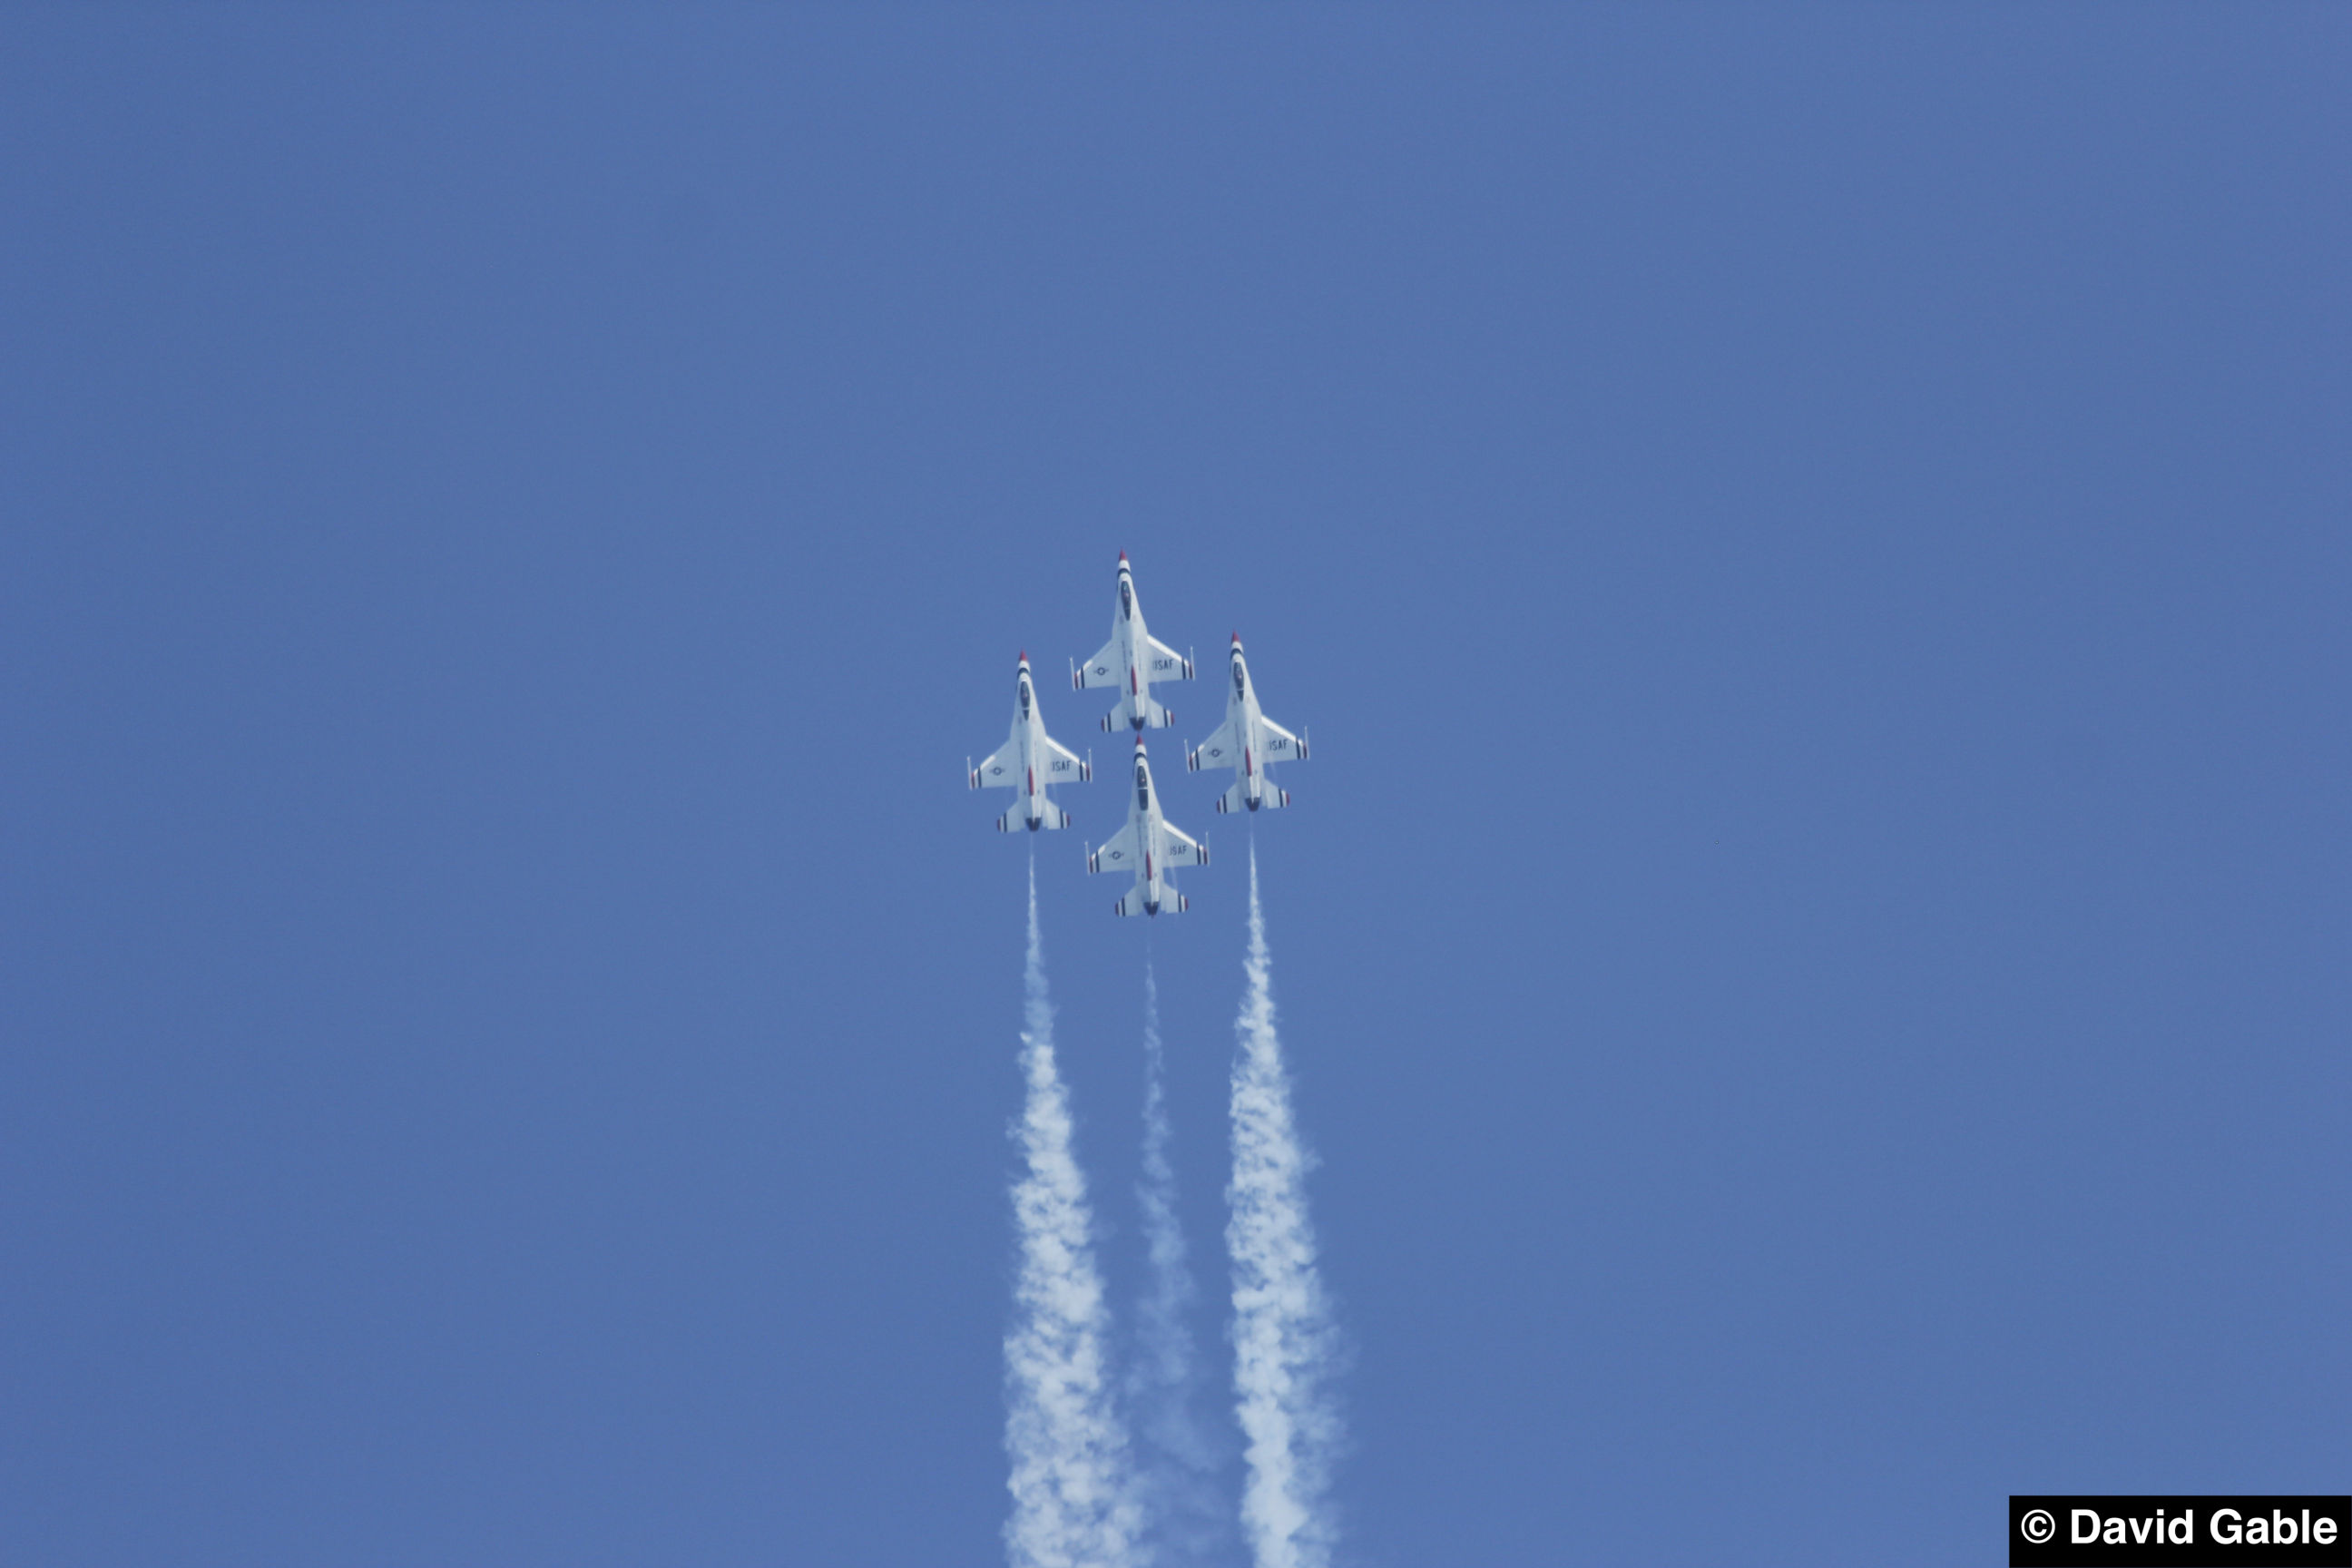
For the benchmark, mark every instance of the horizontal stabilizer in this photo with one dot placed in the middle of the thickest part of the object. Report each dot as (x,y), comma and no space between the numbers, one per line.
(1237,799)
(1017,819)
(1155,715)
(1171,902)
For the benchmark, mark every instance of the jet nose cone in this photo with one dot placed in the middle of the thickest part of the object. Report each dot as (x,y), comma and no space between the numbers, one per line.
(1025,656)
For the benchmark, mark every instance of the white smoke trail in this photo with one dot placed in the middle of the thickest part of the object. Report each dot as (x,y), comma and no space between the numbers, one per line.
(1283,1344)
(1073,1501)
(1177,1478)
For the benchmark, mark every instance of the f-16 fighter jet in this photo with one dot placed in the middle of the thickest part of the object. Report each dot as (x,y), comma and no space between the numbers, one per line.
(1028,762)
(1246,741)
(1131,660)
(1150,847)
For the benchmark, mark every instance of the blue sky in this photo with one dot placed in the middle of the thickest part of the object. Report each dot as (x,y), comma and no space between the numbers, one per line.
(1812,545)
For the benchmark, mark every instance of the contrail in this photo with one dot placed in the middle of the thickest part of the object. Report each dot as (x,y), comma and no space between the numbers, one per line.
(1176,1481)
(1283,1344)
(1072,1501)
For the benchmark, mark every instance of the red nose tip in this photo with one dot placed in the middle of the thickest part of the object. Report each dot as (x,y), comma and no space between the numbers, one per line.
(1122,556)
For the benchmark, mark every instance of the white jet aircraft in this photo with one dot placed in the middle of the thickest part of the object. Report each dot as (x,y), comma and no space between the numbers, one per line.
(1030,761)
(1131,660)
(1246,741)
(1150,847)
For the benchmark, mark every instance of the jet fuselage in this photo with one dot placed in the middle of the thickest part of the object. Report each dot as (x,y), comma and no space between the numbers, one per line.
(1131,662)
(1030,762)
(1246,741)
(1149,846)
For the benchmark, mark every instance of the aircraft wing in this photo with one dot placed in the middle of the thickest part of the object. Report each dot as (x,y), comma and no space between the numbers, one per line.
(1216,752)
(1164,663)
(1277,744)
(1003,767)
(1061,765)
(1120,854)
(1106,668)
(1176,849)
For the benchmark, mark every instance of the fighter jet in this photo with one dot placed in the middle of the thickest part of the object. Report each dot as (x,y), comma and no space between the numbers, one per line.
(1029,761)
(1246,741)
(1150,847)
(1131,660)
